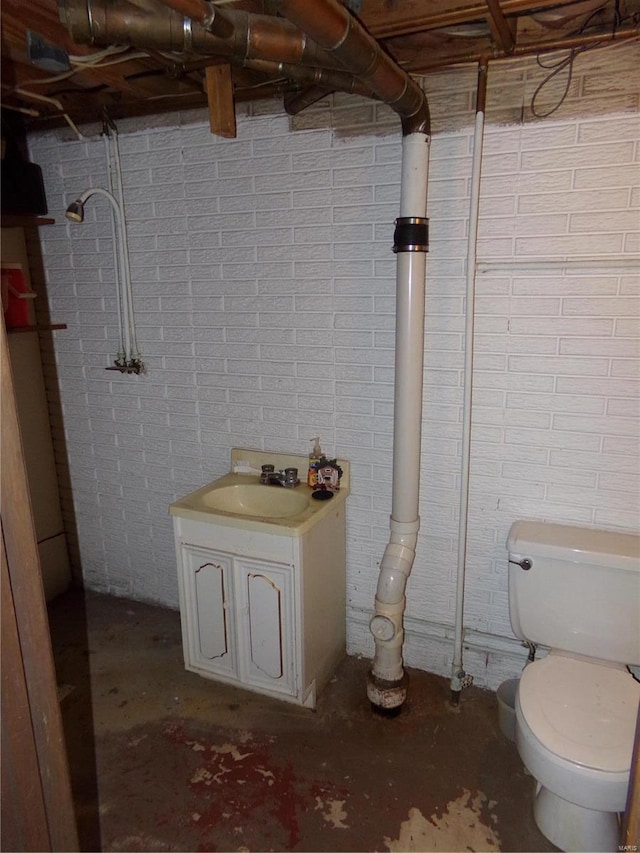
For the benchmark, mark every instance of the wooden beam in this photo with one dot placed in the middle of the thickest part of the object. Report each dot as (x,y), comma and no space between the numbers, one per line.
(427,61)
(24,817)
(33,642)
(222,111)
(84,112)
(503,30)
(384,20)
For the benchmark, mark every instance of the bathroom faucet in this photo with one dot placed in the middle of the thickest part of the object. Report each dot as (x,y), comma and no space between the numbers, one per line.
(287,478)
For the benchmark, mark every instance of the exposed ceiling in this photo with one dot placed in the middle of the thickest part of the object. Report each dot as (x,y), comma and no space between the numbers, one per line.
(139,73)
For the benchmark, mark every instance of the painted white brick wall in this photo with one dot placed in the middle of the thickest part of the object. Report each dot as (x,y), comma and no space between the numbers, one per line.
(264,294)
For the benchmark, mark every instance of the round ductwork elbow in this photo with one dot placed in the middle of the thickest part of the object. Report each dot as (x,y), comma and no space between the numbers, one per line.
(418,122)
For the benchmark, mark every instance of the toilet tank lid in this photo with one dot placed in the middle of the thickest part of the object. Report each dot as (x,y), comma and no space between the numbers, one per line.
(575,544)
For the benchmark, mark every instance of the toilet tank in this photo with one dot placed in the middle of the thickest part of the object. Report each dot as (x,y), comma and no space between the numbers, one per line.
(581,591)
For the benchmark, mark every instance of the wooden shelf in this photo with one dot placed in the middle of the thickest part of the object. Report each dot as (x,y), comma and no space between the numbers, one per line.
(19,220)
(54,327)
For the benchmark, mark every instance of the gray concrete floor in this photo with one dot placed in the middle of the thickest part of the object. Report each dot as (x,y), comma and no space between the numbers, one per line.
(162,759)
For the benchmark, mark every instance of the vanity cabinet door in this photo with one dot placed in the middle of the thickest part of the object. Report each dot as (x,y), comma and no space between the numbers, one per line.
(209,595)
(265,593)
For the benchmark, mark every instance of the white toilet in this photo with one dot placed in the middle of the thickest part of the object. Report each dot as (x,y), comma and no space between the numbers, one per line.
(577,591)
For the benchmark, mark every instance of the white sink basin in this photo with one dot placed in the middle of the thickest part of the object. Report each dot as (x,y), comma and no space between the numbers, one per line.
(240,500)
(249,499)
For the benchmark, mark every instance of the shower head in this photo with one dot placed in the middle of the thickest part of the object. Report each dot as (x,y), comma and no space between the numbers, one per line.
(75,211)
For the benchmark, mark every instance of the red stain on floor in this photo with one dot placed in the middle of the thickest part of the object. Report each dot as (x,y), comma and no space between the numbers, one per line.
(235,784)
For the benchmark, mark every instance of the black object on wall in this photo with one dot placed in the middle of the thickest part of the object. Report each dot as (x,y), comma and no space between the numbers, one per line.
(22,185)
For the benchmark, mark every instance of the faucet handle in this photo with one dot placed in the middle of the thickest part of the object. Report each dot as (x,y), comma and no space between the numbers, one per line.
(291,476)
(267,471)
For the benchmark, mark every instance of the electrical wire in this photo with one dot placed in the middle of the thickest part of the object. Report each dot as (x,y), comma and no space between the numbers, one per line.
(25,110)
(83,63)
(54,102)
(18,90)
(138,54)
(45,80)
(86,64)
(558,65)
(98,55)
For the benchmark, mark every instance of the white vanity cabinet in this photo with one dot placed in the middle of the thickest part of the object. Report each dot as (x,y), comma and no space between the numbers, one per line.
(238,617)
(263,604)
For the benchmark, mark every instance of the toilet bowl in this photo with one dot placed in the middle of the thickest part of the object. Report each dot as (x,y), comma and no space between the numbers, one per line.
(575,724)
(575,590)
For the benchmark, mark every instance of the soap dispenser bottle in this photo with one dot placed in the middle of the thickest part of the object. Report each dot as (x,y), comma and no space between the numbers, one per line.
(314,458)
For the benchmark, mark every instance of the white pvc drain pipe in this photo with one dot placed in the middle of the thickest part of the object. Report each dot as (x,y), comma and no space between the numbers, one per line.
(386,685)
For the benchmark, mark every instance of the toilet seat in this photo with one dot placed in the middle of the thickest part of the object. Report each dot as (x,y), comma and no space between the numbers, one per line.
(581,711)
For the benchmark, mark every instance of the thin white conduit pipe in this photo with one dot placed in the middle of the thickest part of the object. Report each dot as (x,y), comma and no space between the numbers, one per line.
(386,686)
(458,676)
(122,324)
(123,355)
(123,316)
(134,352)
(632,261)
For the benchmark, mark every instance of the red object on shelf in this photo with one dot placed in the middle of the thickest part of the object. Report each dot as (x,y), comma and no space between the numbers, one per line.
(17,297)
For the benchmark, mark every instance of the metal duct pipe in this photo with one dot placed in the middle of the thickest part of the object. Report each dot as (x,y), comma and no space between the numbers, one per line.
(334,28)
(149,24)
(296,102)
(324,78)
(337,42)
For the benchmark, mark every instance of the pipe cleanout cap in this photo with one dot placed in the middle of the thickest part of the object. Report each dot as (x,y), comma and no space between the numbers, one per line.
(411,234)
(382,628)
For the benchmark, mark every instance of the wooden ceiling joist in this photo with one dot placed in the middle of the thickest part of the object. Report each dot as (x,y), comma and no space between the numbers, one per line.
(503,29)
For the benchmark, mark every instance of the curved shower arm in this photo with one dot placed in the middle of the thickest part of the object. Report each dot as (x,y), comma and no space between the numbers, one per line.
(86,195)
(122,276)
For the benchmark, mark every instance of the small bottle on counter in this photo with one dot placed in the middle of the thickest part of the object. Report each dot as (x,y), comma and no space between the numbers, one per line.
(314,458)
